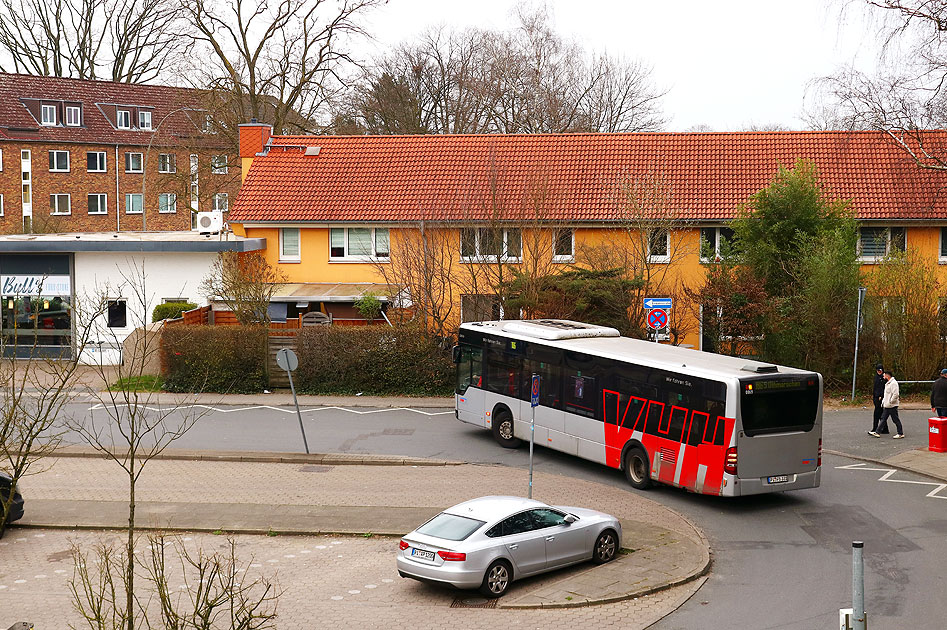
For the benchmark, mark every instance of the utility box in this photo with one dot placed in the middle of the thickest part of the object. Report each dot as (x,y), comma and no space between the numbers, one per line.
(937,435)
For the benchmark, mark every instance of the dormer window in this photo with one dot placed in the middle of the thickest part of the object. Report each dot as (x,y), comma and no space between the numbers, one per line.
(73,116)
(144,121)
(123,119)
(208,124)
(48,113)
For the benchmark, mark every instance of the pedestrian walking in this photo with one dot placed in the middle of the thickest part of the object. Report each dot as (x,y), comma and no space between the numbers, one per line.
(889,404)
(939,395)
(877,393)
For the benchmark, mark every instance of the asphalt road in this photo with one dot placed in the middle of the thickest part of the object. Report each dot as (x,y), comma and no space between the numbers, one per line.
(782,560)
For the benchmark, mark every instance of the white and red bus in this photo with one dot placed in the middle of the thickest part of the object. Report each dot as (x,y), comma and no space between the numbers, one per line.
(710,423)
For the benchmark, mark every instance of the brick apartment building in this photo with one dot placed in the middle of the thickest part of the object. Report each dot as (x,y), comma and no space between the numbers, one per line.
(95,156)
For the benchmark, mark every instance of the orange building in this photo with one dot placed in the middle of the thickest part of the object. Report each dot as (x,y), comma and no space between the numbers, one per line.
(343,216)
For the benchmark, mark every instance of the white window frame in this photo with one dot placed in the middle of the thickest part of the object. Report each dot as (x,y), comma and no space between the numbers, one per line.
(105,203)
(218,197)
(73,109)
(480,257)
(1,160)
(347,257)
(167,163)
(942,255)
(104,161)
(218,164)
(58,205)
(144,120)
(887,230)
(49,121)
(54,160)
(128,162)
(659,258)
(123,119)
(562,258)
(716,243)
(130,205)
(171,203)
(1,204)
(291,258)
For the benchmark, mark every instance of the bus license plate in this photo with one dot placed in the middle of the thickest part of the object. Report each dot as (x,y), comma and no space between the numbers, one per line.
(420,553)
(778,479)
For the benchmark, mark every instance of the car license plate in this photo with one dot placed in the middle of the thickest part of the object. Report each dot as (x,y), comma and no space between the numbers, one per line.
(420,553)
(778,479)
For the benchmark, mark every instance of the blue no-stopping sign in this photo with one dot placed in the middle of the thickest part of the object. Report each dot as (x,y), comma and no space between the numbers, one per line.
(534,391)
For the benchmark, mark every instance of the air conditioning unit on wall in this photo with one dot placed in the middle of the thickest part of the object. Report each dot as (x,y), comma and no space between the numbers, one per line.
(210,222)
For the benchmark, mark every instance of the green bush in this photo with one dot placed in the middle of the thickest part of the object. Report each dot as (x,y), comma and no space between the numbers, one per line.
(225,359)
(170,310)
(375,360)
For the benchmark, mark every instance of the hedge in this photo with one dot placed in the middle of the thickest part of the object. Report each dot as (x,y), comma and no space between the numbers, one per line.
(170,310)
(225,359)
(374,360)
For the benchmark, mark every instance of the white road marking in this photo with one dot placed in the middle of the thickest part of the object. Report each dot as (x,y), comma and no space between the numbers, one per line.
(888,472)
(98,406)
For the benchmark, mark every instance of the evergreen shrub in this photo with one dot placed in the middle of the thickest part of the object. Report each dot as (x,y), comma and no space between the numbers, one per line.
(224,359)
(170,310)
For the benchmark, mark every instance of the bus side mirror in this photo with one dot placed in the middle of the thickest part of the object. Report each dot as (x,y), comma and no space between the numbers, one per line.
(455,354)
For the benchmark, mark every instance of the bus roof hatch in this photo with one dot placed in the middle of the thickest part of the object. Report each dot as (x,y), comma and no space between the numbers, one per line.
(558,329)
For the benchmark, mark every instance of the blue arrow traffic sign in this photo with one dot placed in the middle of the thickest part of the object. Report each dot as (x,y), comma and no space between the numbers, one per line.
(657,302)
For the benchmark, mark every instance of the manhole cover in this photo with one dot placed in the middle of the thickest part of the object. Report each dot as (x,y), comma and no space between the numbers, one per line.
(473,602)
(315,468)
(398,432)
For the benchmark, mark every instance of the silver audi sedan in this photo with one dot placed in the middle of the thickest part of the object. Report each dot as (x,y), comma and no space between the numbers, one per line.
(487,543)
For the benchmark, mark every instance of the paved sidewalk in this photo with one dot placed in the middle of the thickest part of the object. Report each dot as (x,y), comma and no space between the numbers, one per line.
(322,494)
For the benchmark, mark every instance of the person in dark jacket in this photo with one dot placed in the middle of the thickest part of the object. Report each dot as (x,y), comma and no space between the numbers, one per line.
(939,395)
(877,393)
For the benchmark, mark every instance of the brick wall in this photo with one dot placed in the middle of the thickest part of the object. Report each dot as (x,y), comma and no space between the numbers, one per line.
(79,183)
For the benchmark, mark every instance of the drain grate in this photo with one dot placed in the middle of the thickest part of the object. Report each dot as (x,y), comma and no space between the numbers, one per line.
(473,602)
(315,468)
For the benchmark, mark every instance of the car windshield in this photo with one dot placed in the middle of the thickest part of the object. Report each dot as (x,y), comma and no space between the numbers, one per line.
(450,526)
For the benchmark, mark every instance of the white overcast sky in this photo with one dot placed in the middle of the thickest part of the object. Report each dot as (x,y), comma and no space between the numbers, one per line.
(726,64)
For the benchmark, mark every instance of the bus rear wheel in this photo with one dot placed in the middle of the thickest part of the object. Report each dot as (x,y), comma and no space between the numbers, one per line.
(503,429)
(637,468)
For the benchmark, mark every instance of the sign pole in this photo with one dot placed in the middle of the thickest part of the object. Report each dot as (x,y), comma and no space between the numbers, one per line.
(533,401)
(287,359)
(302,429)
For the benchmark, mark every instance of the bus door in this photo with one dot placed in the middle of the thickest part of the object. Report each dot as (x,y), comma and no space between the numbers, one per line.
(469,393)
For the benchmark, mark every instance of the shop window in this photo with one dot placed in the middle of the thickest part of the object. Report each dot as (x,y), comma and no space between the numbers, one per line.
(117,313)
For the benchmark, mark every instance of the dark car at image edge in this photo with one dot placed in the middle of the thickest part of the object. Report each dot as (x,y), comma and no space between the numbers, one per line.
(16,508)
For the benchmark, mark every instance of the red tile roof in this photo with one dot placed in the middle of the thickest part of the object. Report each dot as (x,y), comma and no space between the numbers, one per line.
(412,178)
(17,123)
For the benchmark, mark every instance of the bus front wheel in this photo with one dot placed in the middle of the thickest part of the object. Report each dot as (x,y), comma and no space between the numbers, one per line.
(637,468)
(503,429)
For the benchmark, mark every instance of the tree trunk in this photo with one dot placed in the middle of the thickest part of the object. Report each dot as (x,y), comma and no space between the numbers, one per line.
(130,547)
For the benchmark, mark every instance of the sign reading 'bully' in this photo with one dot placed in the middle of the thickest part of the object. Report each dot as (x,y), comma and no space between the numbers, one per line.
(35,285)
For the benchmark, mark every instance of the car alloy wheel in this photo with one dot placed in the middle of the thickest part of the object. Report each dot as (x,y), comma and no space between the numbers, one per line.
(496,580)
(606,546)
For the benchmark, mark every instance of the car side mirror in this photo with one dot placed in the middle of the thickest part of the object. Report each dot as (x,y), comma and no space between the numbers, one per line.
(570,519)
(455,354)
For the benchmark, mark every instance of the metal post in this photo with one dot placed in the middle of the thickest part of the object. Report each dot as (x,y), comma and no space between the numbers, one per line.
(532,436)
(858,327)
(302,429)
(859,620)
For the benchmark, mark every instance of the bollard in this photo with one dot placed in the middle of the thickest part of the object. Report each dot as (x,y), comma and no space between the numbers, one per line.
(859,620)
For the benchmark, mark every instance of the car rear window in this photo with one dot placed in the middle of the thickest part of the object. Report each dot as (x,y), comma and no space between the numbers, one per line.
(450,526)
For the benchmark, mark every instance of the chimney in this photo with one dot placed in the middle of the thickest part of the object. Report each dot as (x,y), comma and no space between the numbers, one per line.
(254,136)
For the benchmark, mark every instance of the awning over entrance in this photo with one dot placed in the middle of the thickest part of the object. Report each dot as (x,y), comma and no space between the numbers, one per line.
(330,292)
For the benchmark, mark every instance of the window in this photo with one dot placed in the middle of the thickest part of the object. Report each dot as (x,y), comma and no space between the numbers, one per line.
(221,202)
(133,203)
(875,243)
(491,243)
(1,205)
(116,313)
(479,308)
(1,160)
(218,165)
(289,245)
(96,162)
(59,204)
(208,126)
(194,189)
(564,245)
(943,238)
(123,119)
(73,116)
(133,163)
(358,243)
(48,115)
(516,524)
(167,163)
(450,527)
(59,161)
(714,243)
(167,203)
(659,246)
(98,203)
(144,121)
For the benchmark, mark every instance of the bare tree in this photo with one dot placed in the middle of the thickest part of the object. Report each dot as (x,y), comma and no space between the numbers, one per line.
(246,283)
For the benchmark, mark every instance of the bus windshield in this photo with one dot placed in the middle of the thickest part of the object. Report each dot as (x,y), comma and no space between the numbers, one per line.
(779,406)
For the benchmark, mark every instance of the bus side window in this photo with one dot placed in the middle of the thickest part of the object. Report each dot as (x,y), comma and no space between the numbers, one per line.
(580,394)
(469,368)
(503,373)
(548,382)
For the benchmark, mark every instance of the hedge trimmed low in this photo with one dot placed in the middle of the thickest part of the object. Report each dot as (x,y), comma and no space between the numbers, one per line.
(374,360)
(224,359)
